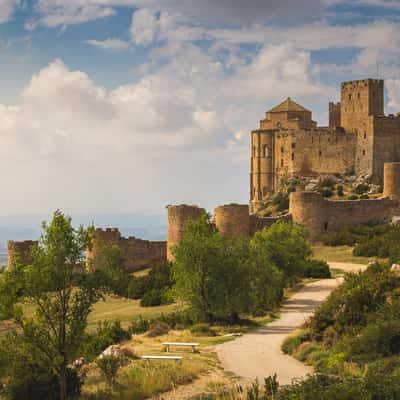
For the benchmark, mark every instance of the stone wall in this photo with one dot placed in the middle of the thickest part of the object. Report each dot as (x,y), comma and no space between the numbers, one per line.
(313,153)
(259,223)
(22,250)
(137,253)
(334,115)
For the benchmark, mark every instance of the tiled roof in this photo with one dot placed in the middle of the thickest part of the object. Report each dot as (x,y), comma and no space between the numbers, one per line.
(288,105)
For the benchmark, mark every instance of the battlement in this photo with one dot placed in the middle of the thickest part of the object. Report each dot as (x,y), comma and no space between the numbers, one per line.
(361,83)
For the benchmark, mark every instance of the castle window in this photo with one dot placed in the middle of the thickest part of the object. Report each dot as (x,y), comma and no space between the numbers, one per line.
(359,95)
(326,225)
(293,145)
(281,162)
(282,150)
(292,156)
(350,96)
(265,151)
(312,139)
(365,135)
(320,153)
(363,152)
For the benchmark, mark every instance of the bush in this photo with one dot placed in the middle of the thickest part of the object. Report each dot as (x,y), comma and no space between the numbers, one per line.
(158,329)
(139,325)
(306,352)
(107,333)
(291,343)
(202,330)
(364,197)
(151,298)
(361,188)
(327,182)
(317,269)
(352,197)
(326,192)
(340,191)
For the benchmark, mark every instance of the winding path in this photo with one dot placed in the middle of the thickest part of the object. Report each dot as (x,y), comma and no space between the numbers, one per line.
(259,354)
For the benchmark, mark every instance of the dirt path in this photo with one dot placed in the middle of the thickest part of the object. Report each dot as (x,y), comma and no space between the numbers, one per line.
(259,354)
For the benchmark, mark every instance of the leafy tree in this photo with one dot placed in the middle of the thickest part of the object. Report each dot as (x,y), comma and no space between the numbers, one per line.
(211,273)
(285,246)
(61,292)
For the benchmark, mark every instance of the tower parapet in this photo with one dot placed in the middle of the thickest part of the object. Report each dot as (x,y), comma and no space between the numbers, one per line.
(179,217)
(233,220)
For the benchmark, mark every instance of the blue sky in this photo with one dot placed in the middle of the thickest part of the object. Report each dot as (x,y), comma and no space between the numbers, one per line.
(130,105)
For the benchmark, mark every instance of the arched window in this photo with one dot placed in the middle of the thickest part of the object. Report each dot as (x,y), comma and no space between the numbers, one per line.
(265,151)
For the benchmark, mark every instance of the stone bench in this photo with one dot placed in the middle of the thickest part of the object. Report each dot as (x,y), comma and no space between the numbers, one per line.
(149,358)
(179,344)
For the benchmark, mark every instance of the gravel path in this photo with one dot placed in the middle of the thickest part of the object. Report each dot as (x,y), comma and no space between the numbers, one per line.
(259,354)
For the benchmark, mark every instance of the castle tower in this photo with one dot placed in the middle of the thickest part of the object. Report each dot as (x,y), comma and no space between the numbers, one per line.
(233,220)
(359,100)
(307,209)
(101,238)
(391,180)
(334,115)
(262,170)
(22,250)
(178,219)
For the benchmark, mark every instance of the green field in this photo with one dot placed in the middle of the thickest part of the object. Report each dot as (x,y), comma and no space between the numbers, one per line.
(126,310)
(338,254)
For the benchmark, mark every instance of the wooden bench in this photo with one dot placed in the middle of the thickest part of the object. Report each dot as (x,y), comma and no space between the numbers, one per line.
(178,344)
(149,358)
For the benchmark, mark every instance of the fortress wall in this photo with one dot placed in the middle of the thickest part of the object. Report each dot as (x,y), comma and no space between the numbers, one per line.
(314,152)
(140,254)
(137,254)
(20,249)
(259,223)
(319,215)
(178,218)
(233,220)
(391,187)
(386,143)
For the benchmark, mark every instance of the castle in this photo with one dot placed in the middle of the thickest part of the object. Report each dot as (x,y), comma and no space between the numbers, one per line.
(360,139)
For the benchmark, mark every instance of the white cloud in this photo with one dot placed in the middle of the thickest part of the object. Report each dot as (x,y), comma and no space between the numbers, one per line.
(77,146)
(393,89)
(109,44)
(145,27)
(7,8)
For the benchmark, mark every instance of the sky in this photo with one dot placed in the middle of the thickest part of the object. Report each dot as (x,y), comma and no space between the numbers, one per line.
(126,106)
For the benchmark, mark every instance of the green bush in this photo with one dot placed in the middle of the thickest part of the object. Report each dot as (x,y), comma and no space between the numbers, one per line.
(139,325)
(326,192)
(305,353)
(327,182)
(202,329)
(353,197)
(340,191)
(291,343)
(317,269)
(158,329)
(361,188)
(364,197)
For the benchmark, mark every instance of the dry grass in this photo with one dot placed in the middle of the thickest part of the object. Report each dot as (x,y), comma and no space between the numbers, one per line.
(338,254)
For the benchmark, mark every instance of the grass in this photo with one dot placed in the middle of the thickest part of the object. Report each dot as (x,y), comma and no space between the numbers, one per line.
(126,310)
(141,380)
(338,254)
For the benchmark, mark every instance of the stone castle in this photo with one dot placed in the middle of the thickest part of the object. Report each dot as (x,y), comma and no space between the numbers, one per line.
(360,140)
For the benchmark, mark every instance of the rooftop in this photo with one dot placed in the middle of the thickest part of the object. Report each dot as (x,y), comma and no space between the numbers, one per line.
(288,105)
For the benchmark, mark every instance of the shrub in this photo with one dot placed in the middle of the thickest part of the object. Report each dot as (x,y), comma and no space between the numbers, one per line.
(326,192)
(352,197)
(109,366)
(158,329)
(364,197)
(151,298)
(317,269)
(361,188)
(202,330)
(139,325)
(304,353)
(340,191)
(291,343)
(327,182)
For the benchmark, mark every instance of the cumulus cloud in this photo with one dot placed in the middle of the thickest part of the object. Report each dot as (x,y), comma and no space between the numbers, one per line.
(109,44)
(7,8)
(76,145)
(393,89)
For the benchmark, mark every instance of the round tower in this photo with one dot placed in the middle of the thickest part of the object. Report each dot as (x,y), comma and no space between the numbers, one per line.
(307,209)
(178,218)
(22,250)
(262,172)
(391,180)
(101,237)
(233,220)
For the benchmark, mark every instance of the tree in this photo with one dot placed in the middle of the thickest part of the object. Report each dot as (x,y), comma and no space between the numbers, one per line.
(211,273)
(61,292)
(285,246)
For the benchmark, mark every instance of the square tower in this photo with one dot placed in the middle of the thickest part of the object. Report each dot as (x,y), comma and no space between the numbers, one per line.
(360,100)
